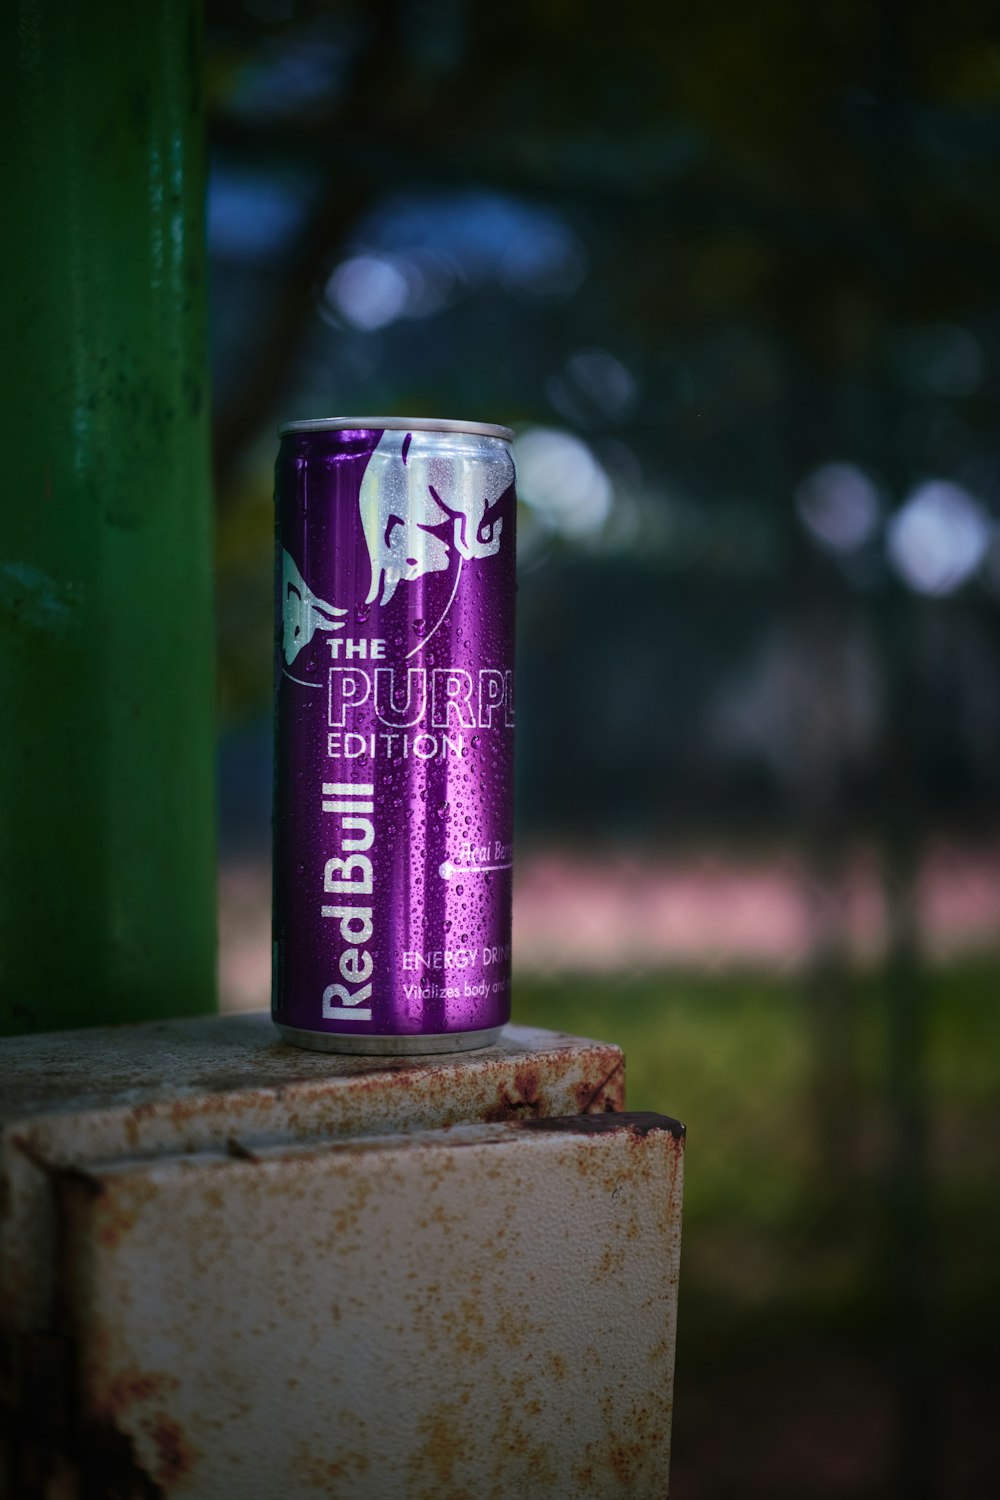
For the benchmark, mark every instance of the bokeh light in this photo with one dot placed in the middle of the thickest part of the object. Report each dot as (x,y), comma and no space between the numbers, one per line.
(593,385)
(368,291)
(938,538)
(559,477)
(840,506)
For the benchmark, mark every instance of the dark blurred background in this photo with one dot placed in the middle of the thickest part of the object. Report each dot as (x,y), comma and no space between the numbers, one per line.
(731,272)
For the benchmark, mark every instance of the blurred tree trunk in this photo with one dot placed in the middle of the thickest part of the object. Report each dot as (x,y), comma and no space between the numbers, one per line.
(818,624)
(908,1267)
(827,849)
(909,1280)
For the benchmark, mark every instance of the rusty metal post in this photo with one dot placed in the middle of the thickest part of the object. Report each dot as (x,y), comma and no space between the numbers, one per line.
(231,1268)
(106,630)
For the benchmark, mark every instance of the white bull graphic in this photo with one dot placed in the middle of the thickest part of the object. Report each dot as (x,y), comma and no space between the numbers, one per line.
(302,612)
(416,504)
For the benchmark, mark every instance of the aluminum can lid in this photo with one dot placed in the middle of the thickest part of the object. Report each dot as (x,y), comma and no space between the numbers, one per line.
(399,424)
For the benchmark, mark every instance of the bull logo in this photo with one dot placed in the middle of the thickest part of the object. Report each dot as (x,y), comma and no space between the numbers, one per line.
(302,611)
(417,505)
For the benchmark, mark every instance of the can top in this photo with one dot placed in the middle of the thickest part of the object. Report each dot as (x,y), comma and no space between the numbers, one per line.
(398,424)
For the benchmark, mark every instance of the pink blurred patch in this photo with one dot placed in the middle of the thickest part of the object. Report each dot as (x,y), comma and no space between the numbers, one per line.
(608,913)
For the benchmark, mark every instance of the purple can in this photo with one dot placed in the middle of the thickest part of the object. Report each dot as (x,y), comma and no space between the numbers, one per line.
(394,734)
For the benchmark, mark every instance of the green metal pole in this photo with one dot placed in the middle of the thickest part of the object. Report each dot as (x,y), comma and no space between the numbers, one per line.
(106,636)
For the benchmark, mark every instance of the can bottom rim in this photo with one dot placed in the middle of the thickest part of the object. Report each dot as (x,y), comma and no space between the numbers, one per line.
(390,1046)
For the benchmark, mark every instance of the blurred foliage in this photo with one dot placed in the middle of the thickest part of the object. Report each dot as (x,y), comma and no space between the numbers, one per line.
(778,228)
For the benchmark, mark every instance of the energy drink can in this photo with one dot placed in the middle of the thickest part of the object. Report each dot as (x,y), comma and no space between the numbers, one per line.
(394,734)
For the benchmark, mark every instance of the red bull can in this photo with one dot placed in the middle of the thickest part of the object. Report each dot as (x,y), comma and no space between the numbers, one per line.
(394,737)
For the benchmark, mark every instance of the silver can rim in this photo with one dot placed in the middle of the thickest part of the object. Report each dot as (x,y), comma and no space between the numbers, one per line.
(414,1045)
(399,424)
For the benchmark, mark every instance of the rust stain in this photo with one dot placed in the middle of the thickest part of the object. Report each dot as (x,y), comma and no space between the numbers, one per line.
(174,1457)
(636,1439)
(134,1385)
(514,1332)
(527,1081)
(469,1335)
(115,1211)
(515,1437)
(435,1465)
(348,1465)
(606,1096)
(315,1471)
(663,1349)
(441,1449)
(611,1263)
(115,1228)
(526,1100)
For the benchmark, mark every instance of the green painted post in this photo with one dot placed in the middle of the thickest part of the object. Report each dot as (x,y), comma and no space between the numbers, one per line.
(107,908)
